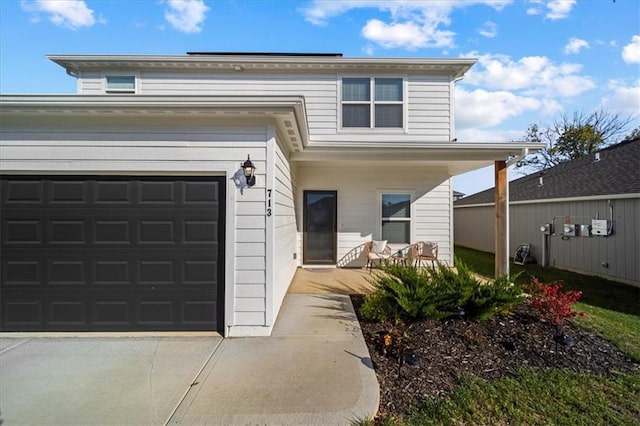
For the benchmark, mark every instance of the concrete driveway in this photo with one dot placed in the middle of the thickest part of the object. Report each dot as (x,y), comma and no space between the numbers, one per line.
(98,380)
(314,369)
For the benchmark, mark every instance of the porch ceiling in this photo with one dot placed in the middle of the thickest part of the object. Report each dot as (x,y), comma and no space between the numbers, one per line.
(454,157)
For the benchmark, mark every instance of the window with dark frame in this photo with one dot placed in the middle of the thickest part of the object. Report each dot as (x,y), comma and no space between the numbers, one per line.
(396,217)
(372,103)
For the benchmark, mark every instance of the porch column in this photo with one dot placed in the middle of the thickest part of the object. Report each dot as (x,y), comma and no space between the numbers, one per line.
(501,236)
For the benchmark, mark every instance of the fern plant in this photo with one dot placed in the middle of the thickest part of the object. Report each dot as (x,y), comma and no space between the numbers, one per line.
(404,292)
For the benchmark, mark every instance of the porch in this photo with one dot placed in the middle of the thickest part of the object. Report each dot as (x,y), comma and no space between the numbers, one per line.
(329,280)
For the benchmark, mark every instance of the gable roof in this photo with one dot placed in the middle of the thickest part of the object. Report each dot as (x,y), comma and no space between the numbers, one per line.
(616,172)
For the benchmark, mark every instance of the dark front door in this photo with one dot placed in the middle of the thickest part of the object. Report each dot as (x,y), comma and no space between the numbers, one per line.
(320,227)
(108,253)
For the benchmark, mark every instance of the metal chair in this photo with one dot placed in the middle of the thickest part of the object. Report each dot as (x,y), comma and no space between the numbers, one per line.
(376,251)
(425,251)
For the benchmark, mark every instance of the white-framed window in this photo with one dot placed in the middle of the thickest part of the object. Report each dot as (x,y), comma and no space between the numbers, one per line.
(395,216)
(120,83)
(372,102)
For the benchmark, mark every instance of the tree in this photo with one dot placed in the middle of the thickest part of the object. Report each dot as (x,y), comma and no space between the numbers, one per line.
(635,134)
(572,137)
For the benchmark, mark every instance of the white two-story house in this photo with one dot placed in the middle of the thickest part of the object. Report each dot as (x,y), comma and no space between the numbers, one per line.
(126,207)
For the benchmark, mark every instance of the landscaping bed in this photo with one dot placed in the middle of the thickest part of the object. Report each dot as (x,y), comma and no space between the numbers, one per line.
(446,351)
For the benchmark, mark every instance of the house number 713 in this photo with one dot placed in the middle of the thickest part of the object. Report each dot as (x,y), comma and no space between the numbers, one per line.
(269,198)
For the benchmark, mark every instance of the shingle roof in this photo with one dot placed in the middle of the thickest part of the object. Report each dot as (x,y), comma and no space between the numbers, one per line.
(617,172)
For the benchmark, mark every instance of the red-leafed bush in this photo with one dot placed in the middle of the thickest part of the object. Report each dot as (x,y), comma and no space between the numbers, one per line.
(553,304)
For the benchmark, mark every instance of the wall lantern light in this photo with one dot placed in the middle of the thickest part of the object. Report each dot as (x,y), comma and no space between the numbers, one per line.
(249,171)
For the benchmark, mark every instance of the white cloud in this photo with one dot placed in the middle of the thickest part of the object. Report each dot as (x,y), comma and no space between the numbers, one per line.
(631,52)
(474,134)
(489,29)
(406,34)
(186,15)
(480,108)
(72,14)
(412,23)
(533,11)
(531,75)
(623,99)
(575,45)
(556,9)
(559,9)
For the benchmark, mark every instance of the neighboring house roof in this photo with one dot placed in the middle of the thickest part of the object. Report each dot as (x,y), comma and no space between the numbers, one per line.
(458,194)
(616,172)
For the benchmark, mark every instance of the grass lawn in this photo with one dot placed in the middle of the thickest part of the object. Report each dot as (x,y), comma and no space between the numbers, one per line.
(528,398)
(551,397)
(596,291)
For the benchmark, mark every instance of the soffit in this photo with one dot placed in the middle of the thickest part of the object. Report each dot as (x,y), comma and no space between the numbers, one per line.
(455,67)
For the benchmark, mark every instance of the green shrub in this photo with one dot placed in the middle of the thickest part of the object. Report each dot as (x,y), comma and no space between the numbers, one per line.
(409,293)
(499,297)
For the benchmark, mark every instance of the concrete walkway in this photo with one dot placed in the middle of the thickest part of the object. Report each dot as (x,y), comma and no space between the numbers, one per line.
(314,369)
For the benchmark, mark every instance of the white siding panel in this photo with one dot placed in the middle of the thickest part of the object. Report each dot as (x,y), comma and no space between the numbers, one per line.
(285,226)
(250,236)
(250,277)
(248,318)
(250,263)
(250,304)
(250,291)
(250,249)
(319,90)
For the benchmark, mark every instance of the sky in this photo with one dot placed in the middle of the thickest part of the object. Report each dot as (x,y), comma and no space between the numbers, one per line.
(537,60)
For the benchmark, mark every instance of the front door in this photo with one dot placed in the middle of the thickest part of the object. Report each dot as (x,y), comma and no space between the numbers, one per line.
(320,227)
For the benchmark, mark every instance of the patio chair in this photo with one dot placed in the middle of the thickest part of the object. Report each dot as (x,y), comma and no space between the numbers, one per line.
(425,250)
(376,251)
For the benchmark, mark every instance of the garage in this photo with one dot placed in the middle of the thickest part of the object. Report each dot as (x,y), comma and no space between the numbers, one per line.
(112,253)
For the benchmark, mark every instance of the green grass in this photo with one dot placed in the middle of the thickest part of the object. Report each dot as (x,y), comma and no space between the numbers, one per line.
(596,291)
(623,330)
(549,398)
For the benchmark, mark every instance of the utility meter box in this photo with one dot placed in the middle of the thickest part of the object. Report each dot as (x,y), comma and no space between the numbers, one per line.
(569,229)
(600,227)
(583,230)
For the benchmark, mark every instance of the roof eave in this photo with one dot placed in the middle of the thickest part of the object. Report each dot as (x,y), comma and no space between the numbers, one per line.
(456,67)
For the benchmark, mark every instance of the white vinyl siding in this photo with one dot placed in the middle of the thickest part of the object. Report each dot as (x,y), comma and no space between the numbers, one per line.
(285,227)
(429,106)
(359,202)
(427,102)
(162,146)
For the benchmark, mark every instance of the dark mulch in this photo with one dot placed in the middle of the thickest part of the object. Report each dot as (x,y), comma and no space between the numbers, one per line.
(491,350)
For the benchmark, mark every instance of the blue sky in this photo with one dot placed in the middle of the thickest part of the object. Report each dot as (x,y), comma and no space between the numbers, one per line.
(537,59)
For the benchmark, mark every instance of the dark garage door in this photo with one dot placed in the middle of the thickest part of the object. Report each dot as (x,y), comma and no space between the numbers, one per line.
(106,253)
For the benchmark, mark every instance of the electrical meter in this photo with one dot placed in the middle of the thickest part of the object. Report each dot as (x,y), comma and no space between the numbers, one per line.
(569,229)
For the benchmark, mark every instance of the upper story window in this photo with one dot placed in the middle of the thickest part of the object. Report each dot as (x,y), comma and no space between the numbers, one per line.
(372,102)
(120,83)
